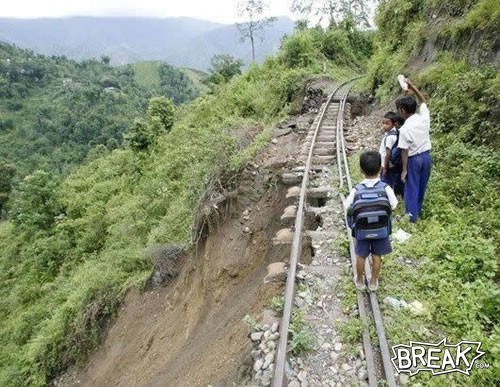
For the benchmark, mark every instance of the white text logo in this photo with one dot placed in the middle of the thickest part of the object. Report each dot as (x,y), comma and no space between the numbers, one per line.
(440,358)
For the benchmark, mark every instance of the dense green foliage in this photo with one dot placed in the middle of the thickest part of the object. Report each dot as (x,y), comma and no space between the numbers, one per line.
(418,30)
(223,68)
(176,84)
(455,245)
(7,172)
(345,46)
(159,120)
(53,111)
(75,244)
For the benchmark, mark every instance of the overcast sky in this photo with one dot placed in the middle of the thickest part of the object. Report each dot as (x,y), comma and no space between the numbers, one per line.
(223,11)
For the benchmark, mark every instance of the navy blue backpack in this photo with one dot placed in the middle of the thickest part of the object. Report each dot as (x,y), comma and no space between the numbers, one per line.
(370,214)
(395,156)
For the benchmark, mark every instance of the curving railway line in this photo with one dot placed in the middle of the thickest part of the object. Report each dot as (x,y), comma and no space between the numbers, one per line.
(325,147)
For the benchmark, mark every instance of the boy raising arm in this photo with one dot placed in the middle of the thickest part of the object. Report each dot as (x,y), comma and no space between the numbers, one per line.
(415,145)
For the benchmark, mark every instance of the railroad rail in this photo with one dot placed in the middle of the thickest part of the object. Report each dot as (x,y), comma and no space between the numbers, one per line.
(367,302)
(327,135)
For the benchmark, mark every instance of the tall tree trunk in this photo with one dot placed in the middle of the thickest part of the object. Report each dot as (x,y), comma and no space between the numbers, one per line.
(253,48)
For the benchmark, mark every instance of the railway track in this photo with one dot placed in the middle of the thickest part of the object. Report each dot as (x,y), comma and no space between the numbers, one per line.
(325,148)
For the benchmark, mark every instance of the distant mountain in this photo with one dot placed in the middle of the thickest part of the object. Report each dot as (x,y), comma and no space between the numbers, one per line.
(184,42)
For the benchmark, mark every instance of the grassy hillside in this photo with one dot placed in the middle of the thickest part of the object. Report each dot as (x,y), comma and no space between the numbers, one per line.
(147,74)
(74,246)
(456,243)
(159,78)
(196,77)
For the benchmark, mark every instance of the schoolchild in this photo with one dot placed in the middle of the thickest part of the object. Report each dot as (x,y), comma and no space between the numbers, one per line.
(399,187)
(391,170)
(415,145)
(399,122)
(370,164)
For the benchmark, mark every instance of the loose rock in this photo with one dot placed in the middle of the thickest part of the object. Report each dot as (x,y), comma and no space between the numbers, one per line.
(256,336)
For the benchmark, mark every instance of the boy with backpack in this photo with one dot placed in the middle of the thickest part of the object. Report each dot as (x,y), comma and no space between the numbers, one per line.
(390,153)
(369,207)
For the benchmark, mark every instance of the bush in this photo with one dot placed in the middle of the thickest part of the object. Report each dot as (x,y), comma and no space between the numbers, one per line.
(299,50)
(466,100)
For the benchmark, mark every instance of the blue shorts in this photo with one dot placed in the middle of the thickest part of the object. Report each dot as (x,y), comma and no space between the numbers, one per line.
(393,179)
(374,246)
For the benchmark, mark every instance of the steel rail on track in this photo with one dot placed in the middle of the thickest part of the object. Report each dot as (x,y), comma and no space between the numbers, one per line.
(279,378)
(377,315)
(344,172)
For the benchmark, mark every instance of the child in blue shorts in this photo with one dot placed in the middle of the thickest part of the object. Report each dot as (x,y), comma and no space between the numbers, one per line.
(370,163)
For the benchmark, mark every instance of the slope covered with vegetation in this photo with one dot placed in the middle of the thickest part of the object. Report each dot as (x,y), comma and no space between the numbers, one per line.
(160,78)
(74,245)
(450,50)
(53,111)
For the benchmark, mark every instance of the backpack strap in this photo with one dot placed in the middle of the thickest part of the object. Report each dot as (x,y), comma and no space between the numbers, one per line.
(359,186)
(380,183)
(392,132)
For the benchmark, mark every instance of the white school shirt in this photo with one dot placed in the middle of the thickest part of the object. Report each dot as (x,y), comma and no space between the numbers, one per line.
(414,134)
(387,142)
(370,183)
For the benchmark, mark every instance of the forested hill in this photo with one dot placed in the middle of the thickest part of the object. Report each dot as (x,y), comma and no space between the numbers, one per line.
(183,42)
(53,111)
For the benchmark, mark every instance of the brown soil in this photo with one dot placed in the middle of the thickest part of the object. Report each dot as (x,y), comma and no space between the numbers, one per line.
(190,333)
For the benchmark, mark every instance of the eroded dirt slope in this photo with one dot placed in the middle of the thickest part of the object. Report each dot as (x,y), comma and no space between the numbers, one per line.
(190,333)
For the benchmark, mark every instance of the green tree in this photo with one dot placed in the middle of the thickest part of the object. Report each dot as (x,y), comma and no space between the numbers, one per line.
(139,136)
(299,50)
(361,12)
(223,68)
(159,120)
(7,172)
(252,11)
(105,59)
(301,25)
(163,109)
(176,85)
(36,203)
